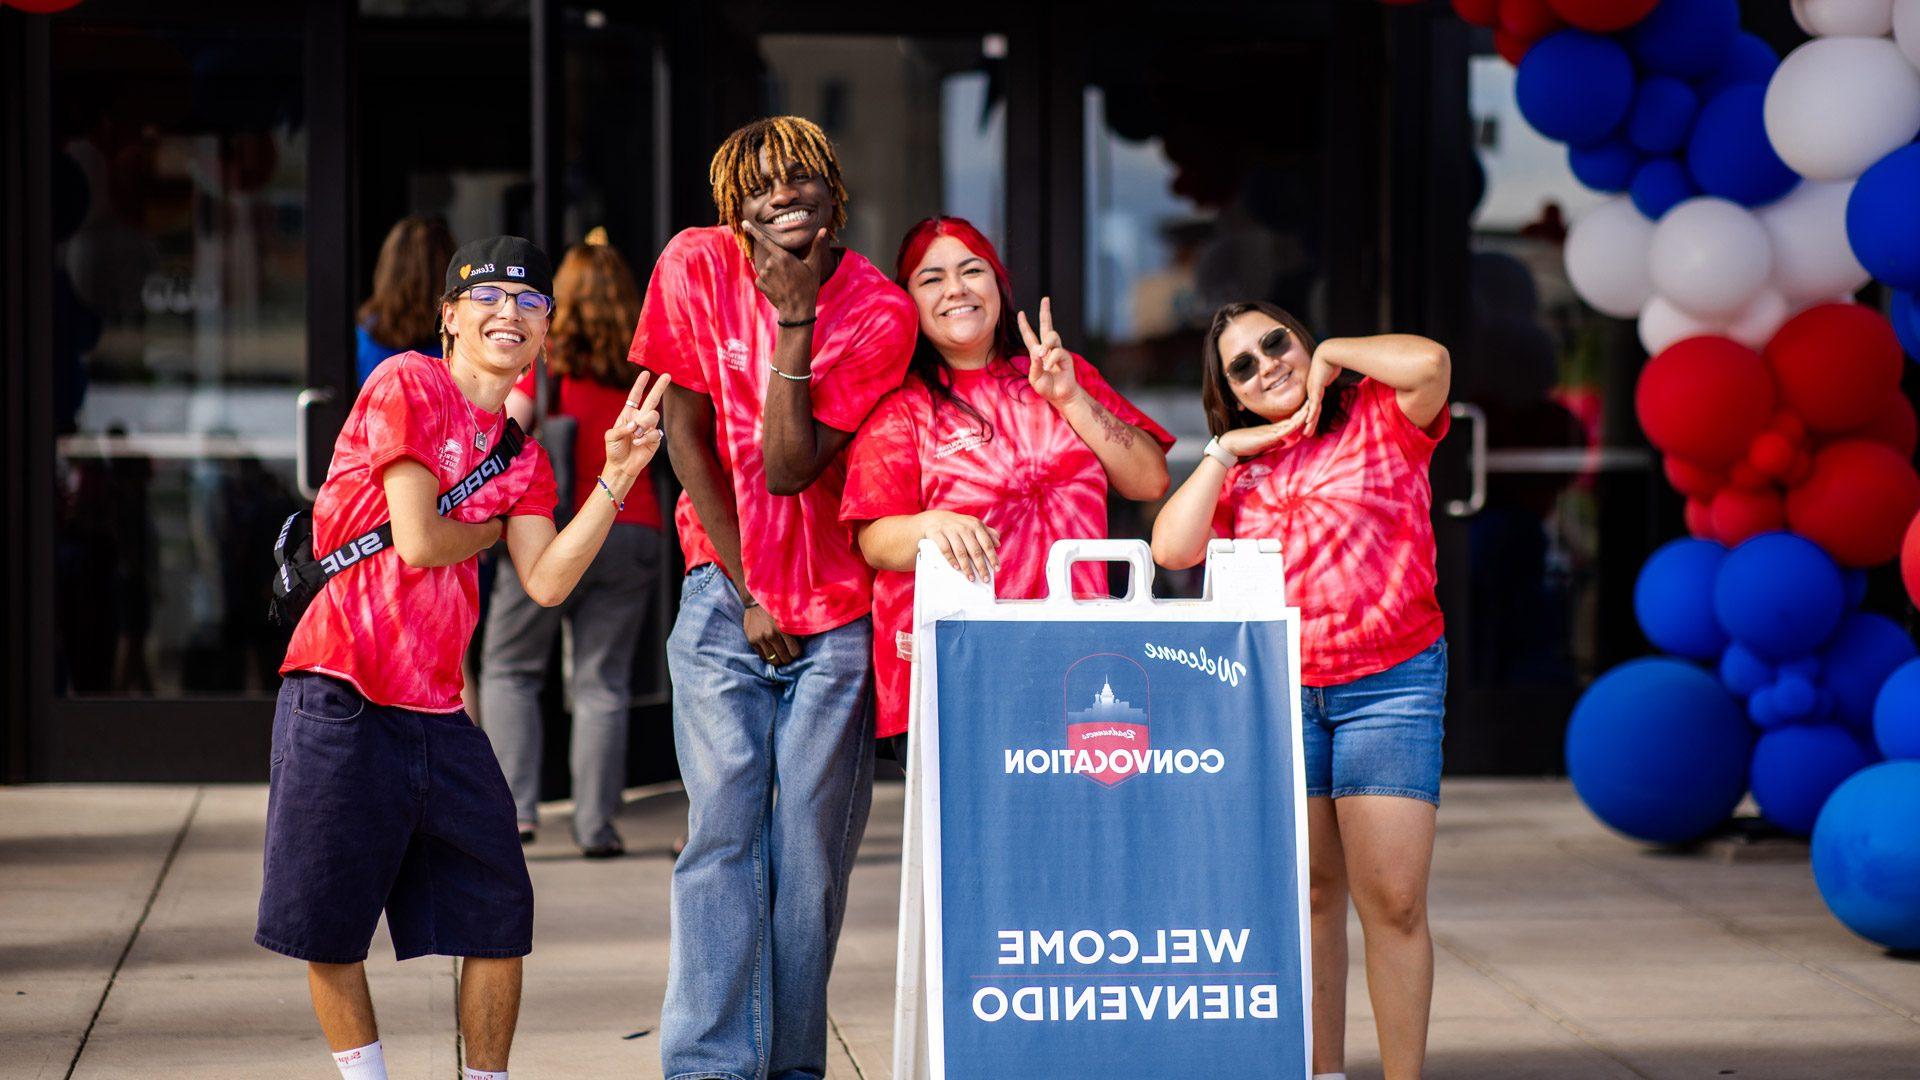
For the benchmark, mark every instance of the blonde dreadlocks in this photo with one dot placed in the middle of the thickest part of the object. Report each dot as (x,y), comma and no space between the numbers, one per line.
(789,141)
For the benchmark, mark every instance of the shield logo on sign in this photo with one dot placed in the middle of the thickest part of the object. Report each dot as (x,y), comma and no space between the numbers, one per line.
(1104,722)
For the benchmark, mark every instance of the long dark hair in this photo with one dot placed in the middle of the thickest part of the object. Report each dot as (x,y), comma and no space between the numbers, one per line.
(404,307)
(927,364)
(1224,411)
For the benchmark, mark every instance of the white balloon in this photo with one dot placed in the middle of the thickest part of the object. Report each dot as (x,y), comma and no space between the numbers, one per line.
(1808,230)
(1844,18)
(1662,324)
(1710,257)
(1754,326)
(1607,258)
(1906,29)
(1838,104)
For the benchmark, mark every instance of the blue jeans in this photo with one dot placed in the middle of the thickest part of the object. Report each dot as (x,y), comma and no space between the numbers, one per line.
(778,766)
(1379,734)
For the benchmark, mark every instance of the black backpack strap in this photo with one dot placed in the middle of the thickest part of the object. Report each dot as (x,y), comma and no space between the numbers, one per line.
(377,540)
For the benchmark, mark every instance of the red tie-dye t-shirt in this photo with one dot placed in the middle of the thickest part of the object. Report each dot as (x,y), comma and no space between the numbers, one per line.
(1027,475)
(595,407)
(705,324)
(1352,509)
(397,632)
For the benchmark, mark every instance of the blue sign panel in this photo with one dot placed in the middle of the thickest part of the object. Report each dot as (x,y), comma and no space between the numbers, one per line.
(1119,853)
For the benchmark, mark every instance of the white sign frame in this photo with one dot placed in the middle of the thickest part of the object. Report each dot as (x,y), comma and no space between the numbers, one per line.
(1244,582)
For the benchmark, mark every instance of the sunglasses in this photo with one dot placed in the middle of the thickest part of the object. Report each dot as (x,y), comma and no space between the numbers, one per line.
(489,298)
(1273,344)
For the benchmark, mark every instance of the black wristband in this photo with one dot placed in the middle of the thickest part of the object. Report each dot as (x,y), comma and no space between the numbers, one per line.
(808,321)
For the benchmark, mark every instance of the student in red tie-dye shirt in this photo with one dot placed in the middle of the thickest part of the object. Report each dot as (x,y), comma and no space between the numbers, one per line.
(995,447)
(1326,447)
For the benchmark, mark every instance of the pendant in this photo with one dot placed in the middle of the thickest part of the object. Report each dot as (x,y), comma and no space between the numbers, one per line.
(480,441)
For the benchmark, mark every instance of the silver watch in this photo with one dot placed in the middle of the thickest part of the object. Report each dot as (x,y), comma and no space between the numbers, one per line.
(1219,453)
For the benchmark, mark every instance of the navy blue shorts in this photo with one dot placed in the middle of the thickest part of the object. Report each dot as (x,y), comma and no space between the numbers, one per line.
(374,807)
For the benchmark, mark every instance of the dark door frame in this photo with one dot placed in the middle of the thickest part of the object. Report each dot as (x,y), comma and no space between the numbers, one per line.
(53,738)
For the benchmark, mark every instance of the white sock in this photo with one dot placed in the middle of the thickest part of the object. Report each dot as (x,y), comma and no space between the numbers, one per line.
(1330,1076)
(364,1063)
(482,1074)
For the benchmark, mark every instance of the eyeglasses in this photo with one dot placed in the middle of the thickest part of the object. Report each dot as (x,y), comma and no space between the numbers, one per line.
(1273,343)
(537,305)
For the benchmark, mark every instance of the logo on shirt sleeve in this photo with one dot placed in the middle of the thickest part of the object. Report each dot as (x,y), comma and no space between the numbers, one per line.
(451,455)
(734,353)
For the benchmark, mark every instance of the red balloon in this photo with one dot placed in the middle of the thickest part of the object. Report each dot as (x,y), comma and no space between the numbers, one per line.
(1530,19)
(1704,399)
(1700,519)
(1603,16)
(1693,481)
(1896,426)
(1910,561)
(1857,502)
(1478,12)
(1772,454)
(1836,365)
(1739,514)
(41,7)
(1511,47)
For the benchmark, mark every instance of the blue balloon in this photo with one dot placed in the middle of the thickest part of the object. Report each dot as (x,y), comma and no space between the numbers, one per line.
(1764,712)
(1795,768)
(1673,598)
(1896,713)
(1604,166)
(1659,186)
(1658,751)
(1662,114)
(1795,697)
(1866,854)
(1689,38)
(1729,154)
(1863,653)
(1779,595)
(1883,218)
(1749,60)
(1904,313)
(1575,87)
(1742,673)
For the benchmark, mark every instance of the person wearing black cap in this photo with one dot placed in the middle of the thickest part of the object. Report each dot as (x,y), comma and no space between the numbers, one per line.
(384,795)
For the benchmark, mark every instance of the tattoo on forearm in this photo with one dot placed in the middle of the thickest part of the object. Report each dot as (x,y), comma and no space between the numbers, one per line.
(1116,430)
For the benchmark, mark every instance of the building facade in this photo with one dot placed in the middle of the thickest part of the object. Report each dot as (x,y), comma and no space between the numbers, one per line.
(195,194)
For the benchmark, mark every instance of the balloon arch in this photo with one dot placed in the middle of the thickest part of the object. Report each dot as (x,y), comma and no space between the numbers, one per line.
(1753,196)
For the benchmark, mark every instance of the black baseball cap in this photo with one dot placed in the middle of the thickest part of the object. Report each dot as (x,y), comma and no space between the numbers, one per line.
(499,259)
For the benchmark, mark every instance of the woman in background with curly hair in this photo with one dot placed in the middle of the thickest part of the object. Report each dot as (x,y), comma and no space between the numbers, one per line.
(405,305)
(596,304)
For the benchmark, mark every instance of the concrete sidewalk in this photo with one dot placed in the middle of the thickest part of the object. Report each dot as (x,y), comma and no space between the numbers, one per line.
(126,916)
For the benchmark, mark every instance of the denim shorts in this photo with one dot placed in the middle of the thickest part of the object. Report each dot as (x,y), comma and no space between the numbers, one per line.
(1379,734)
(374,808)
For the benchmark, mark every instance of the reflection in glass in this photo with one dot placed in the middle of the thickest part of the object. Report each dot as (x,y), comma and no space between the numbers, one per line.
(873,96)
(180,286)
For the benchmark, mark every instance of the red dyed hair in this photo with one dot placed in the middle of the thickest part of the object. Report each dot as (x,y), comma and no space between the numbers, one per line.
(1006,343)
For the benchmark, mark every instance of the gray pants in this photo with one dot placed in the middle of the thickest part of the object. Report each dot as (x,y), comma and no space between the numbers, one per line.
(603,617)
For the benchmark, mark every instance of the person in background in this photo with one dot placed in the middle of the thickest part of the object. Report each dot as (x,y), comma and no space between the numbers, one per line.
(1326,448)
(596,305)
(995,447)
(401,314)
(779,344)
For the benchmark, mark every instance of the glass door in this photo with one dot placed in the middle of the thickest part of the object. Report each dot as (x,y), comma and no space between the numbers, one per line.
(180,297)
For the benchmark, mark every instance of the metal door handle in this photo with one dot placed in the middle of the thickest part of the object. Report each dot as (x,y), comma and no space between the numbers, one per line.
(311,396)
(1476,499)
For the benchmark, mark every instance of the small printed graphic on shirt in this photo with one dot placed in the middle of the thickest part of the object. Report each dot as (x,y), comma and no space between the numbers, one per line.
(1252,477)
(451,455)
(960,440)
(903,644)
(734,354)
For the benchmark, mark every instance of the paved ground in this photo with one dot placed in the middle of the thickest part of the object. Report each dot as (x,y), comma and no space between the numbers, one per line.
(126,918)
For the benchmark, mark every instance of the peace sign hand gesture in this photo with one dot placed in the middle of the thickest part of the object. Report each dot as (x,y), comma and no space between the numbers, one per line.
(791,283)
(635,435)
(1051,372)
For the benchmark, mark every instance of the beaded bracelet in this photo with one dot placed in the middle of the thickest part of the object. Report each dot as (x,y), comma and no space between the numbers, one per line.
(602,481)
